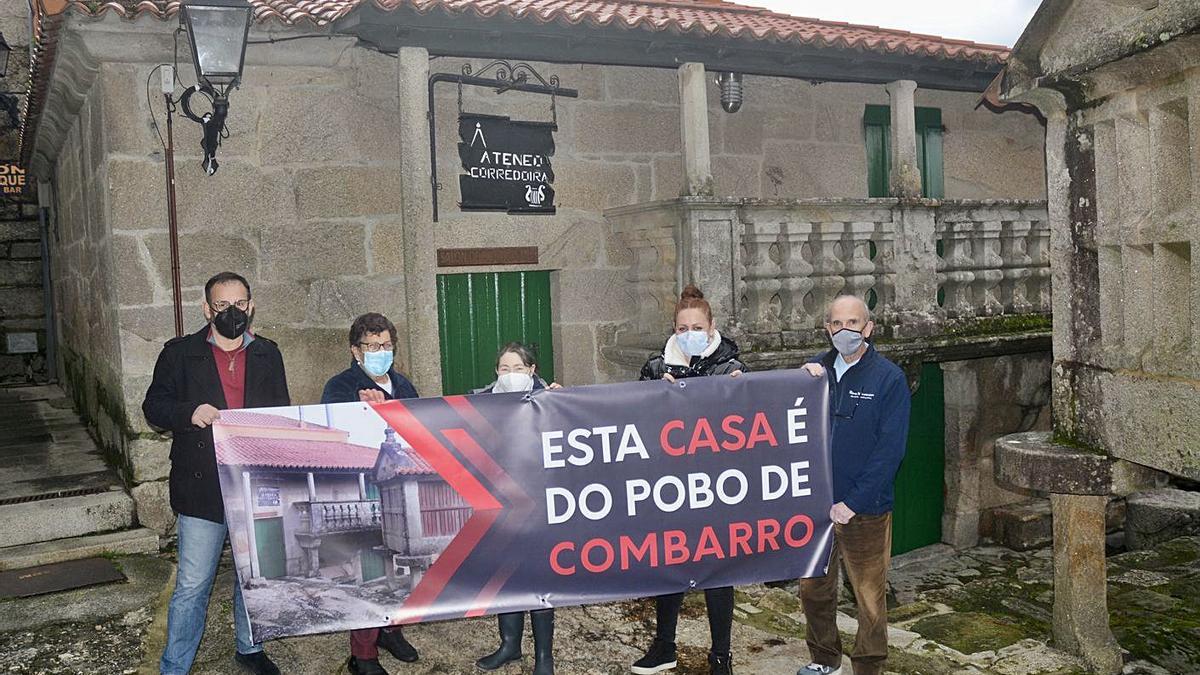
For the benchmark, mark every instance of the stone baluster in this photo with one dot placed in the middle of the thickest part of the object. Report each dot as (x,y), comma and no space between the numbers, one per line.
(884,239)
(856,251)
(1039,253)
(828,267)
(762,313)
(987,264)
(652,275)
(1014,251)
(958,273)
(799,313)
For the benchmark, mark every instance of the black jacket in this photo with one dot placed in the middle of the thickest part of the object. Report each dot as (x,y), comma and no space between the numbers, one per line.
(344,387)
(721,362)
(185,376)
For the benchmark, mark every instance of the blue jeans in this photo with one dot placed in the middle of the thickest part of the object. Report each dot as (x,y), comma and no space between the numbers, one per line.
(200,545)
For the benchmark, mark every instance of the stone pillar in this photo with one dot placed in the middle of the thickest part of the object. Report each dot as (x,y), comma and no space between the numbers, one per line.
(693,121)
(1080,581)
(420,264)
(708,242)
(251,541)
(960,520)
(915,312)
(312,488)
(904,180)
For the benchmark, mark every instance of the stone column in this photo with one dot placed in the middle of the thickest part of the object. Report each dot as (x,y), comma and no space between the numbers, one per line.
(693,122)
(1080,581)
(420,264)
(915,312)
(904,180)
(251,542)
(960,520)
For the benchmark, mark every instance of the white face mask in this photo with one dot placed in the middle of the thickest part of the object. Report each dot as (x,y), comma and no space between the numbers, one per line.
(513,382)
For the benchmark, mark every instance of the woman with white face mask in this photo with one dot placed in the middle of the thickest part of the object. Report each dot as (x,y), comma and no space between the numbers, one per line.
(695,349)
(516,370)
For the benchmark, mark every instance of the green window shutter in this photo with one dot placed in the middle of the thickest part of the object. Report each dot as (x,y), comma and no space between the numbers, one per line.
(929,152)
(479,313)
(877,120)
(876,125)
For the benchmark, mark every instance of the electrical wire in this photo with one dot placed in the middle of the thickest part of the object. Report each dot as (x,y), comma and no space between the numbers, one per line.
(149,104)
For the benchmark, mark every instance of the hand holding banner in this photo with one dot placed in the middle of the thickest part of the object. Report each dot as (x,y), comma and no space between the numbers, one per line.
(507,502)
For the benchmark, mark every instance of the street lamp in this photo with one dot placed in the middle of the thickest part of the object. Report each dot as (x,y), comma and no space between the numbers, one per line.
(218,31)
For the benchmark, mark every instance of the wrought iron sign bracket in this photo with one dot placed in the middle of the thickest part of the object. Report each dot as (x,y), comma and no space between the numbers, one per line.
(507,77)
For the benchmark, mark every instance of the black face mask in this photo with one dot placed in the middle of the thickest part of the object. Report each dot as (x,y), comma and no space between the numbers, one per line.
(231,322)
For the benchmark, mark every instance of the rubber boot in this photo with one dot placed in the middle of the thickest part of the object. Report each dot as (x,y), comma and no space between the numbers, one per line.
(543,641)
(512,624)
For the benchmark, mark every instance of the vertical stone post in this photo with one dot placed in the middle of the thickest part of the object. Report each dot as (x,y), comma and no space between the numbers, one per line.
(709,250)
(251,540)
(420,264)
(312,488)
(915,312)
(960,520)
(1080,581)
(693,122)
(904,179)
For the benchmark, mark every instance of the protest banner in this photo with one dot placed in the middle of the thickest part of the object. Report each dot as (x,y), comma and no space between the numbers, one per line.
(354,515)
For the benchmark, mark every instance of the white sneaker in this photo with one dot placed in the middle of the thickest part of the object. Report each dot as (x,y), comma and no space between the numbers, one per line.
(818,669)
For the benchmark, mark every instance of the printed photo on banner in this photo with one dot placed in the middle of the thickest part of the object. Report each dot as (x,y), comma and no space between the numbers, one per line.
(355,515)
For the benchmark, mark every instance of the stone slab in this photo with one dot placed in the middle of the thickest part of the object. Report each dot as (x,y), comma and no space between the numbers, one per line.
(146,576)
(1155,516)
(50,519)
(125,542)
(1031,461)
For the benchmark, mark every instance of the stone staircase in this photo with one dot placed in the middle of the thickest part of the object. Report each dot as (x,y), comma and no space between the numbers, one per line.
(59,500)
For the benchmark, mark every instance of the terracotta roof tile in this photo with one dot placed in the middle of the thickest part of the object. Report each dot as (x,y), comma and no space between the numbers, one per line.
(246,418)
(705,18)
(305,454)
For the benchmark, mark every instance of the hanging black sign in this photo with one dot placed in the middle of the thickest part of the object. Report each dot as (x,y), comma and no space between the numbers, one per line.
(506,164)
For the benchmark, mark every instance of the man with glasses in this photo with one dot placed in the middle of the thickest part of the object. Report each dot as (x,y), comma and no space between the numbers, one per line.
(221,366)
(372,378)
(869,405)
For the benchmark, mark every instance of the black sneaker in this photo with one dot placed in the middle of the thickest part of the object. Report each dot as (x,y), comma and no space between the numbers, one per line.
(397,646)
(258,663)
(365,667)
(660,657)
(720,664)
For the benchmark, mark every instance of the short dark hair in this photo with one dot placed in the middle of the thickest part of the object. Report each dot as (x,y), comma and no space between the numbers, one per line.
(224,278)
(527,353)
(371,322)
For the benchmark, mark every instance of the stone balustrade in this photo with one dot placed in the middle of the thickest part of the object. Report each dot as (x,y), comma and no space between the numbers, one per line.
(924,267)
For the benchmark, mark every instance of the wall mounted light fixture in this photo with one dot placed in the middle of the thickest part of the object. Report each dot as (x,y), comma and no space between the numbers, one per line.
(731,91)
(218,30)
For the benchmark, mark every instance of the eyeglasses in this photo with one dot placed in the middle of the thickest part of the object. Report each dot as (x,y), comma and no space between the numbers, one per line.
(222,305)
(375,346)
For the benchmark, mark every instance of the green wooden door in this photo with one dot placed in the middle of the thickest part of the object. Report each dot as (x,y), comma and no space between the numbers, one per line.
(480,312)
(268,539)
(372,564)
(920,491)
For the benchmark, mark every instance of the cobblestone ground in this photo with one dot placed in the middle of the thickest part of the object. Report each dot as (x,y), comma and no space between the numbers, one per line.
(984,610)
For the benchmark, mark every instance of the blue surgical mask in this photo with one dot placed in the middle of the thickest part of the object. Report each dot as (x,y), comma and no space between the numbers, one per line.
(693,342)
(377,364)
(847,341)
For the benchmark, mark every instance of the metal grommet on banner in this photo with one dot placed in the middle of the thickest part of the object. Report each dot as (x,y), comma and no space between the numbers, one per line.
(682,384)
(527,398)
(692,583)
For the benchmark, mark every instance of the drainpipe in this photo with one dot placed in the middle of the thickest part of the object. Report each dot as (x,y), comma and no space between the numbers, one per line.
(172,221)
(44,191)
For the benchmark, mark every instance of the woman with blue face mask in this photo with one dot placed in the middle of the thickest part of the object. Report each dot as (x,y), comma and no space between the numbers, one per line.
(695,349)
(516,370)
(372,378)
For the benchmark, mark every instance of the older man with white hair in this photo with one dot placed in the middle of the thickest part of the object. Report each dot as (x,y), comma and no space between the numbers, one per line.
(868,406)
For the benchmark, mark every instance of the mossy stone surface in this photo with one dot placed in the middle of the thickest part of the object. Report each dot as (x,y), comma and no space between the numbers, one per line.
(969,632)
